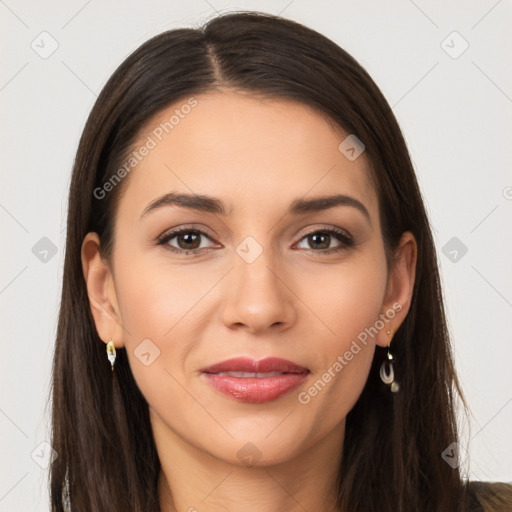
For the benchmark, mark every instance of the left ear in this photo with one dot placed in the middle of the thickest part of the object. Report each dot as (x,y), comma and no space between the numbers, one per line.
(397,299)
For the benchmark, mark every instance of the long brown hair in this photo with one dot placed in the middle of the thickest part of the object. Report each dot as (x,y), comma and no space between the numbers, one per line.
(107,459)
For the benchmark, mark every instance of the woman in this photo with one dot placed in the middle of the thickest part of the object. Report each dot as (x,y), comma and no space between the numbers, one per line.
(209,355)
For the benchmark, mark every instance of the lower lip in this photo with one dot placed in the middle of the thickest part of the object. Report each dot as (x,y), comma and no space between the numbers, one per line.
(256,390)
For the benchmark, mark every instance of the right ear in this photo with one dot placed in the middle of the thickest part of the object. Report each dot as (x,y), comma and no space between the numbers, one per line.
(101,291)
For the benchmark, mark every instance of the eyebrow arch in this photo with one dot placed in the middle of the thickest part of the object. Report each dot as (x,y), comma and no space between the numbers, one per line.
(211,204)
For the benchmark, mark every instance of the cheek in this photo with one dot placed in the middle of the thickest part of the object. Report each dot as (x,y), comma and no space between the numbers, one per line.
(349,303)
(346,300)
(154,296)
(165,308)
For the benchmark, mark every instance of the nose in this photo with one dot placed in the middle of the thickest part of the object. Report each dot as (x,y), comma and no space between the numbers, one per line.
(258,297)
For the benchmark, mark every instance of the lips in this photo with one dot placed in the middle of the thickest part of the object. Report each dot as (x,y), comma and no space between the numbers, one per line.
(243,364)
(248,380)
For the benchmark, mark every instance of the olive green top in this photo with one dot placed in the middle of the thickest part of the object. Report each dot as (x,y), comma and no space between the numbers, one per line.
(490,496)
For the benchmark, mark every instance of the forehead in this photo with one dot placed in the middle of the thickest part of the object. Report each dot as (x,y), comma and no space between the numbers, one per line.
(256,154)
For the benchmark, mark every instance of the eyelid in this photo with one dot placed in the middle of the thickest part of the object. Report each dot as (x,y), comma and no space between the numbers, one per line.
(328,229)
(344,237)
(172,233)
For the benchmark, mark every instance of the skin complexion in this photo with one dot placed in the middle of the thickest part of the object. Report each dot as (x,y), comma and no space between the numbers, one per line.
(258,270)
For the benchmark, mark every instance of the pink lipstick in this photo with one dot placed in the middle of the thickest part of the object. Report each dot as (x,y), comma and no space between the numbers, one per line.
(248,380)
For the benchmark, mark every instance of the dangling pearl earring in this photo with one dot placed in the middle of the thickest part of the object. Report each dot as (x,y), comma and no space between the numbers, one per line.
(387,373)
(111,353)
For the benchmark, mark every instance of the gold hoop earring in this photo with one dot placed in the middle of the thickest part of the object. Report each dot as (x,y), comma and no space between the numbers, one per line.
(387,373)
(111,353)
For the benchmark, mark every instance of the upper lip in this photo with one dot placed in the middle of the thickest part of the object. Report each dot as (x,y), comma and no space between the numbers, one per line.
(244,364)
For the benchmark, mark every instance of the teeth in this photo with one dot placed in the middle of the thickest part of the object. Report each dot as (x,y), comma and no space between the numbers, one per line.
(251,374)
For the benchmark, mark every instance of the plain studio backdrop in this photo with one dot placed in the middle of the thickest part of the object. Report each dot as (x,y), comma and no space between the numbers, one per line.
(442,67)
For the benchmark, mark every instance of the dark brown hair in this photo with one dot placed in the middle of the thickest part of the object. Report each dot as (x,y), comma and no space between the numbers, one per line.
(107,459)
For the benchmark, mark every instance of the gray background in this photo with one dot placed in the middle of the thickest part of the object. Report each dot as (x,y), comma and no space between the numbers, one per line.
(455,111)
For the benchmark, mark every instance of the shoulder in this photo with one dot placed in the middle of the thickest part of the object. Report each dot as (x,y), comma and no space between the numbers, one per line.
(489,496)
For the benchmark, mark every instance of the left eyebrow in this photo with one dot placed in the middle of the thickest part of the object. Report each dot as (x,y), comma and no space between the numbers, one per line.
(214,205)
(324,203)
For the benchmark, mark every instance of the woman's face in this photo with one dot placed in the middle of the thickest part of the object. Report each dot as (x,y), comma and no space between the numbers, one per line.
(248,278)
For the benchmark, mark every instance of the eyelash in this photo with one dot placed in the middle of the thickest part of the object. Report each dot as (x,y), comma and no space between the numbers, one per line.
(346,240)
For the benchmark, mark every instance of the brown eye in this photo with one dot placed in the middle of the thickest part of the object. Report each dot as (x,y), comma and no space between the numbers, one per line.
(320,241)
(186,240)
